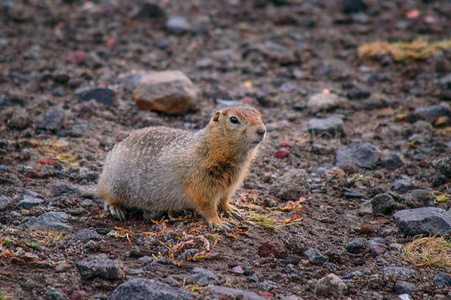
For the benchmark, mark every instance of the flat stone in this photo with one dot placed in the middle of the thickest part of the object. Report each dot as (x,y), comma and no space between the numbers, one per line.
(398,271)
(315,257)
(364,156)
(177,25)
(148,289)
(100,266)
(48,221)
(355,246)
(202,276)
(332,126)
(86,235)
(383,204)
(424,220)
(357,93)
(404,287)
(392,162)
(100,95)
(330,286)
(319,102)
(222,292)
(433,112)
(442,280)
(168,91)
(291,186)
(52,120)
(28,202)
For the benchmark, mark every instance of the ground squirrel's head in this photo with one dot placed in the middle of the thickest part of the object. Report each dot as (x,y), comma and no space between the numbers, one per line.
(241,126)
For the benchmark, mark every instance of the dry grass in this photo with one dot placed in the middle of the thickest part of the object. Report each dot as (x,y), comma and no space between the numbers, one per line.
(417,50)
(428,251)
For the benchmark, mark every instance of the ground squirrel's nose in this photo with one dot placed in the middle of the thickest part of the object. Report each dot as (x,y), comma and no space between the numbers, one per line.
(261,131)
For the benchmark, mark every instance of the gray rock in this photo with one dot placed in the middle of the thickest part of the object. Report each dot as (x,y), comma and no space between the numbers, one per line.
(332,126)
(357,93)
(146,260)
(100,95)
(28,202)
(86,235)
(355,246)
(419,198)
(320,101)
(48,221)
(148,289)
(442,280)
(220,104)
(433,112)
(291,186)
(383,204)
(100,266)
(168,91)
(20,120)
(365,156)
(377,249)
(177,25)
(398,271)
(56,294)
(87,177)
(53,119)
(79,129)
(150,10)
(202,276)
(5,203)
(267,286)
(392,162)
(330,286)
(315,257)
(402,185)
(444,166)
(425,220)
(254,278)
(404,287)
(93,61)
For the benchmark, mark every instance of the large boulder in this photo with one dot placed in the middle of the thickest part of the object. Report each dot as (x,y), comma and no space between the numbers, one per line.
(168,91)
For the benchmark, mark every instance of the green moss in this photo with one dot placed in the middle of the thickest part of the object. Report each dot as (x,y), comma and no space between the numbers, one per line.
(416,50)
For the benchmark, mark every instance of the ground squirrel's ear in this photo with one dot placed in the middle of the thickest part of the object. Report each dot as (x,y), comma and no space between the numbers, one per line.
(216,116)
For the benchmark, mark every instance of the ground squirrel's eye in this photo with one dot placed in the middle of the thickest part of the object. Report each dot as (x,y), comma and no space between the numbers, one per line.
(234,120)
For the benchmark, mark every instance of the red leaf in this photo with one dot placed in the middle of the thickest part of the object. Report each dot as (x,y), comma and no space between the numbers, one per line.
(46,162)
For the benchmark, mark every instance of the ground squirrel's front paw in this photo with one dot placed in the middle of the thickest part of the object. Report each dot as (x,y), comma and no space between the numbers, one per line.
(235,213)
(115,211)
(226,227)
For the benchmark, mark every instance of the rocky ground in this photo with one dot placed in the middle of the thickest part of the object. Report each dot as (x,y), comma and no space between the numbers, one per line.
(356,166)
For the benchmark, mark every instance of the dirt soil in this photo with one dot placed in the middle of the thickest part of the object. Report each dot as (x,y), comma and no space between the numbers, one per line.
(273,55)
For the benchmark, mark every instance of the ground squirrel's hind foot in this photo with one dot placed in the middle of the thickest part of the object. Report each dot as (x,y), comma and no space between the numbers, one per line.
(225,227)
(115,211)
(230,210)
(235,213)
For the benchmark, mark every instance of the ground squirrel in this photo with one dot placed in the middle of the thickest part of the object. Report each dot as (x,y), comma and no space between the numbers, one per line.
(165,169)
